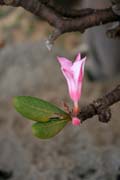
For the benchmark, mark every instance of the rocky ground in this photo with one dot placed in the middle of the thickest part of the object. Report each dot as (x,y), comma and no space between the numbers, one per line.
(91,151)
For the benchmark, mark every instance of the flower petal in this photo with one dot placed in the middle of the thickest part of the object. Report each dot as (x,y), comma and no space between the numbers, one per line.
(65,63)
(70,81)
(78,69)
(73,74)
(78,57)
(81,74)
(78,72)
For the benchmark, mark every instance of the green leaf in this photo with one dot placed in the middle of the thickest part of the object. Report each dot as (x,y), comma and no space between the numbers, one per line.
(38,110)
(48,129)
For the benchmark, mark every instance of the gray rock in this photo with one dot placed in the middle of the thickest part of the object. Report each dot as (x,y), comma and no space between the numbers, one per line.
(13,158)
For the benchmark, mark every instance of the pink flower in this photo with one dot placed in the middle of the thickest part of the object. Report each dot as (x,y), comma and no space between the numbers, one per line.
(75,121)
(73,73)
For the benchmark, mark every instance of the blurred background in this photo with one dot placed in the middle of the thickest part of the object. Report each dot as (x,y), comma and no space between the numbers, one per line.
(88,152)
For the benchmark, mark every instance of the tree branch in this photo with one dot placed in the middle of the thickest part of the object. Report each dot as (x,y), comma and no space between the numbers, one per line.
(69,13)
(101,106)
(64,22)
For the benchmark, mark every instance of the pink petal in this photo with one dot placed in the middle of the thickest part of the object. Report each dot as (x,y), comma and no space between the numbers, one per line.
(78,57)
(69,76)
(78,69)
(65,63)
(73,74)
(70,81)
(78,91)
(73,87)
(75,121)
(81,73)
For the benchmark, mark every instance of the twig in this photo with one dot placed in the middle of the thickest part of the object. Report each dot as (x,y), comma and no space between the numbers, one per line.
(52,38)
(101,106)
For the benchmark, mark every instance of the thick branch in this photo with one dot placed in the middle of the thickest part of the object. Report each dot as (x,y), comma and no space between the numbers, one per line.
(99,17)
(69,13)
(96,17)
(101,106)
(36,8)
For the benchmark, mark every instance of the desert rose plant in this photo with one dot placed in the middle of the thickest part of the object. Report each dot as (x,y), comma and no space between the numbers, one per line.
(49,119)
(73,73)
